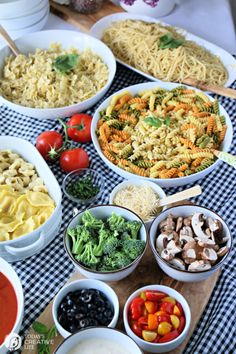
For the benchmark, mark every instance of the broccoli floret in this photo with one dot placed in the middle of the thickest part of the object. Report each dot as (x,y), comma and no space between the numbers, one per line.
(116,222)
(133,227)
(110,245)
(79,237)
(116,260)
(103,237)
(87,257)
(133,248)
(91,222)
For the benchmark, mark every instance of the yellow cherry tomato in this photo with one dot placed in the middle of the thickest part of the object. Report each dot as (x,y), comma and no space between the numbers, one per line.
(175,321)
(169,299)
(164,328)
(149,336)
(176,311)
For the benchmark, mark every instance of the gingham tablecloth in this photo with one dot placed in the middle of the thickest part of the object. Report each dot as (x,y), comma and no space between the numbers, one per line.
(45,273)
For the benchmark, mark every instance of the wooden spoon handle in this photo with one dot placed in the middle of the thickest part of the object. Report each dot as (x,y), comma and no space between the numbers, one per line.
(219,90)
(9,41)
(177,197)
(226,157)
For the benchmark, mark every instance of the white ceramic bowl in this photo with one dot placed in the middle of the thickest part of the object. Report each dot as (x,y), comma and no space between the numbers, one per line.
(85,284)
(137,182)
(28,20)
(184,275)
(26,246)
(43,39)
(158,347)
(167,182)
(99,332)
(103,212)
(14,8)
(9,272)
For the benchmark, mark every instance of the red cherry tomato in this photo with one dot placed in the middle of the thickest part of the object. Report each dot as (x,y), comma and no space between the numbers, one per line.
(181,324)
(137,329)
(81,124)
(153,295)
(164,318)
(48,141)
(143,320)
(71,160)
(136,307)
(167,307)
(169,336)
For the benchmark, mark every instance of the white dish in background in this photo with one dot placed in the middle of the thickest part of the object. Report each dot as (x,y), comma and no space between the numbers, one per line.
(18,23)
(85,284)
(43,39)
(98,332)
(173,272)
(162,182)
(228,60)
(14,8)
(158,347)
(32,243)
(138,182)
(11,275)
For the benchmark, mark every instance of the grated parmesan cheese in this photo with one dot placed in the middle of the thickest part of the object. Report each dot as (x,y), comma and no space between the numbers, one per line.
(142,200)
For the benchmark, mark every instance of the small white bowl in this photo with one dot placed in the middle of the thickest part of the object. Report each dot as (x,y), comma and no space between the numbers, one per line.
(14,8)
(9,272)
(103,212)
(28,44)
(99,332)
(184,275)
(85,284)
(137,182)
(158,347)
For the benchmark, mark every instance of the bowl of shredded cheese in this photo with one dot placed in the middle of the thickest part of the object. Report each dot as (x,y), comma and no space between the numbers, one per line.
(140,197)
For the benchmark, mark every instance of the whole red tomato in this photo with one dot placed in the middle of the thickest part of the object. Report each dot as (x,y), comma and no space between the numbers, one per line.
(48,142)
(71,160)
(81,124)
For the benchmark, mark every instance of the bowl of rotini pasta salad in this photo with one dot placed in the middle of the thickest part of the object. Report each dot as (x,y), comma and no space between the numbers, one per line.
(57,74)
(166,134)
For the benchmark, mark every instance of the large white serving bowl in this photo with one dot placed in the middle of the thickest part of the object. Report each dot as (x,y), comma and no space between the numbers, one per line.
(104,212)
(32,243)
(99,332)
(85,284)
(29,43)
(158,347)
(167,182)
(9,272)
(185,275)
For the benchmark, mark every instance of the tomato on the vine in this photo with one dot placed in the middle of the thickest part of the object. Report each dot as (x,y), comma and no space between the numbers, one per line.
(81,124)
(48,143)
(71,160)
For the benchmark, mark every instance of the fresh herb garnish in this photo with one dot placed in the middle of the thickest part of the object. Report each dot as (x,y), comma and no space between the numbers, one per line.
(83,188)
(167,121)
(46,335)
(155,122)
(65,63)
(167,41)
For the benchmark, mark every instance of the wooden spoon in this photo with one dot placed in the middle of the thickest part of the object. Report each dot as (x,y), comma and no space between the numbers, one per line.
(226,157)
(180,196)
(219,90)
(9,41)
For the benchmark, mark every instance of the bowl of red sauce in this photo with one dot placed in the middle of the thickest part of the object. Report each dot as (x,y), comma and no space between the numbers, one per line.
(11,308)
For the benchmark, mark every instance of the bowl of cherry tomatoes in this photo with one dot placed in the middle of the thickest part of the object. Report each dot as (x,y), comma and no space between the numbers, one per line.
(157,318)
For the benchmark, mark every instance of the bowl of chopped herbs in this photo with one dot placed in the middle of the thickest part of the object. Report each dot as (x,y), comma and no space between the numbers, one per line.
(83,186)
(106,242)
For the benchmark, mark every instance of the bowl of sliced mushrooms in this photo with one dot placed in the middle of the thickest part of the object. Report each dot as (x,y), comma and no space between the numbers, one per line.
(190,242)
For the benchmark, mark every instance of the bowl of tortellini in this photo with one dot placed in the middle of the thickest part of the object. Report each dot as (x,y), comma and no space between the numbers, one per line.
(30,200)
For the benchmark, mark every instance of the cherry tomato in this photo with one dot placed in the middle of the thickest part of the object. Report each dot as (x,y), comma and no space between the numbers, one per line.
(136,308)
(149,336)
(164,318)
(71,160)
(153,295)
(136,328)
(143,320)
(164,328)
(81,124)
(152,322)
(181,324)
(175,321)
(47,142)
(169,336)
(151,306)
(167,307)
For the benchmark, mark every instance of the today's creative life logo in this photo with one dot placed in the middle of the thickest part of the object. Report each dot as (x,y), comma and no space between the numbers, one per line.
(13,341)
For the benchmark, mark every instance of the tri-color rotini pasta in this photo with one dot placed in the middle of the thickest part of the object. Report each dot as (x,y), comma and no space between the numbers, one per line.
(160,133)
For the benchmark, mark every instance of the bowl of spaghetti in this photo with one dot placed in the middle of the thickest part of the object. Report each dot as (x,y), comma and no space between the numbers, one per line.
(52,80)
(165,134)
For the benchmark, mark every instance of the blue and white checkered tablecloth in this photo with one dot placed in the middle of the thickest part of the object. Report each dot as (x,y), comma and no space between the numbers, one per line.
(44,274)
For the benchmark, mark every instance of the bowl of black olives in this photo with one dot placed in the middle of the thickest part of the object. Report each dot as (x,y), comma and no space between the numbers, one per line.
(85,303)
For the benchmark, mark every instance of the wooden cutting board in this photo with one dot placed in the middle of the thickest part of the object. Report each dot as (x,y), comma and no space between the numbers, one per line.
(147,273)
(84,22)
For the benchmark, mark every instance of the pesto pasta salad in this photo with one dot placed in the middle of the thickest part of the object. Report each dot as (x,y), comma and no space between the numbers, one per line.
(161,133)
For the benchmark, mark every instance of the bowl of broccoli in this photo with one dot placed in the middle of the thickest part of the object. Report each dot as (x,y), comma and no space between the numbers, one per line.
(106,242)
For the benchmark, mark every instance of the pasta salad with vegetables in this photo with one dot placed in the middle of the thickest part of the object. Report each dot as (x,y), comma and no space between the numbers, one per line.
(161,133)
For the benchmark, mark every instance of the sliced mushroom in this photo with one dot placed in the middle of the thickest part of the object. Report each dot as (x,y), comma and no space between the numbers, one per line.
(178,263)
(208,232)
(161,242)
(167,255)
(189,255)
(197,223)
(168,224)
(173,247)
(205,242)
(187,221)
(185,239)
(222,251)
(210,255)
(186,230)
(216,229)
(222,240)
(199,266)
(179,223)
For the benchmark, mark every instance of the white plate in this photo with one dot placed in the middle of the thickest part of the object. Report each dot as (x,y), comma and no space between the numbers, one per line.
(43,39)
(162,182)
(227,59)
